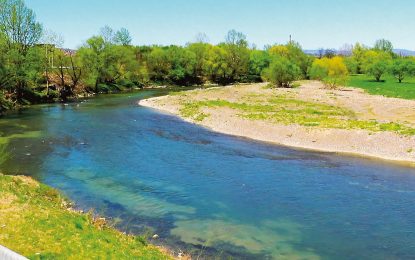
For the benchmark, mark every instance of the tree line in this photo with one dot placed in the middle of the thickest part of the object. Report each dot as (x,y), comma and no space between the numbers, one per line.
(34,67)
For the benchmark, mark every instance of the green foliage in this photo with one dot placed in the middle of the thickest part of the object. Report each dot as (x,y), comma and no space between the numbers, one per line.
(293,52)
(258,62)
(201,56)
(358,57)
(333,72)
(236,55)
(182,65)
(282,72)
(376,63)
(19,72)
(122,37)
(351,65)
(106,64)
(18,23)
(217,67)
(401,68)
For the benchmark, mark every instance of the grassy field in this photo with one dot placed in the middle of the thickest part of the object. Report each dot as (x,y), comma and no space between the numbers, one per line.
(36,222)
(389,87)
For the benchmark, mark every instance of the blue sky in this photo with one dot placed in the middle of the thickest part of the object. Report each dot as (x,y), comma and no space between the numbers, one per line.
(313,23)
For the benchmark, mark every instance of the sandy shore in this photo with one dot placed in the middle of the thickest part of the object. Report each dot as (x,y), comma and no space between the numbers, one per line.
(386,145)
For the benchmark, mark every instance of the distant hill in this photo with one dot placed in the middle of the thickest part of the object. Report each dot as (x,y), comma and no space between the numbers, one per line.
(402,52)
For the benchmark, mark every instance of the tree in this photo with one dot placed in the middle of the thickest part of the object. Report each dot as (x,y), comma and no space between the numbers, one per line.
(236,55)
(50,41)
(358,57)
(20,31)
(62,62)
(383,45)
(18,23)
(329,53)
(217,66)
(105,64)
(122,37)
(402,67)
(182,65)
(282,72)
(93,61)
(158,65)
(258,61)
(376,63)
(107,34)
(333,72)
(346,50)
(75,72)
(236,38)
(351,65)
(201,52)
(201,38)
(68,71)
(294,53)
(5,77)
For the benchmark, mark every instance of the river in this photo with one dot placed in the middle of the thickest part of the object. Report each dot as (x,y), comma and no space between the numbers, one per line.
(211,194)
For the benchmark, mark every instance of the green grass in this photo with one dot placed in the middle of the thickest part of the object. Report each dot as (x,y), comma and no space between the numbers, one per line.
(192,110)
(291,111)
(389,87)
(36,222)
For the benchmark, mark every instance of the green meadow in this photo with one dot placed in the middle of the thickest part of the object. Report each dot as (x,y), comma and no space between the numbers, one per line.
(388,87)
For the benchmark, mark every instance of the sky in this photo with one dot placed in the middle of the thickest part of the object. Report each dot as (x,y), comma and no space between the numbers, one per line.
(313,23)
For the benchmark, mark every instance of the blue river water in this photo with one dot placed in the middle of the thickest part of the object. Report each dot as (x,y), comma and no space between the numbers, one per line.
(210,194)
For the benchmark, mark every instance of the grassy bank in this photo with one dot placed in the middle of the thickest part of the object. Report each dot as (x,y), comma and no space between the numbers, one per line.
(389,87)
(37,222)
(288,111)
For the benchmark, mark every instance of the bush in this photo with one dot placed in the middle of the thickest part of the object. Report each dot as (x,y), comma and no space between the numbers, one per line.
(282,72)
(332,71)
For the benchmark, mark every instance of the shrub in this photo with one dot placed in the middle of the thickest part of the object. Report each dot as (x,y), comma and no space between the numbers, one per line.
(332,71)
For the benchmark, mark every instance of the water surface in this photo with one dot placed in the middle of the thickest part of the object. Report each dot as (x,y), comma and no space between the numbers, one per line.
(208,193)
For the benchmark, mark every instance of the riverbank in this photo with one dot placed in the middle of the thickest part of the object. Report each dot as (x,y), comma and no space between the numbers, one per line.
(37,222)
(347,120)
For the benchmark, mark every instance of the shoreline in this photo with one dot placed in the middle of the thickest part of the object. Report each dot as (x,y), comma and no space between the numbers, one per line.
(351,142)
(35,219)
